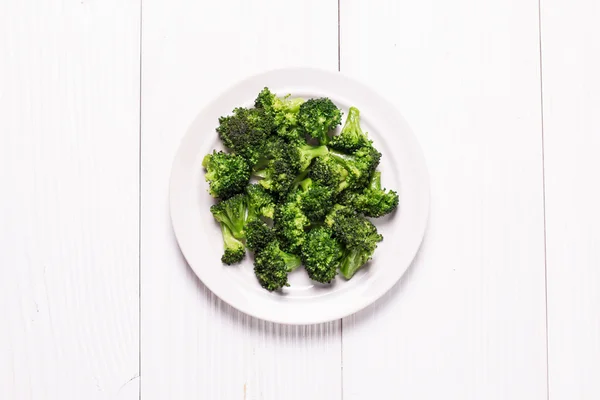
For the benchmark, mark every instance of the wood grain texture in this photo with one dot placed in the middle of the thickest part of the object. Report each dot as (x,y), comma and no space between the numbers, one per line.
(571,89)
(194,346)
(468,319)
(69,120)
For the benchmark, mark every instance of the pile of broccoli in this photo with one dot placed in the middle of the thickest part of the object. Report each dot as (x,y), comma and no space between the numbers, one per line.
(314,193)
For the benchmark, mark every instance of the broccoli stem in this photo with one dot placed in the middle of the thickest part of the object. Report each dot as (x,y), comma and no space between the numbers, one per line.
(375,181)
(229,240)
(351,262)
(353,121)
(308,152)
(291,261)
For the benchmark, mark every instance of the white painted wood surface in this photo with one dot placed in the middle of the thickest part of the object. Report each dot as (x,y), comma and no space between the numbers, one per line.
(571,88)
(468,320)
(69,126)
(194,346)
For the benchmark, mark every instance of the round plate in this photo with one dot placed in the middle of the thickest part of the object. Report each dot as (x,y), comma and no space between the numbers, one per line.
(303,302)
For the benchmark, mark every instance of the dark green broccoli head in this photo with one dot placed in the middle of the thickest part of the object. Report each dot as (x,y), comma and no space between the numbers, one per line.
(258,235)
(327,171)
(373,201)
(290,223)
(358,235)
(227,174)
(245,132)
(232,214)
(284,113)
(260,202)
(352,137)
(314,199)
(351,229)
(319,116)
(234,250)
(321,254)
(272,265)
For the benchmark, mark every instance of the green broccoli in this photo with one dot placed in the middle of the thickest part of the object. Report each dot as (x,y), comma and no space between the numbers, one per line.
(318,117)
(231,213)
(360,165)
(340,171)
(227,174)
(284,162)
(260,202)
(234,249)
(314,199)
(245,132)
(290,223)
(272,265)
(284,113)
(372,201)
(352,137)
(358,235)
(321,254)
(258,235)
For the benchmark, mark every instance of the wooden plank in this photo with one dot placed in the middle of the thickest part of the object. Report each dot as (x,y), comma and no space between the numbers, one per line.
(571,89)
(69,117)
(468,319)
(194,345)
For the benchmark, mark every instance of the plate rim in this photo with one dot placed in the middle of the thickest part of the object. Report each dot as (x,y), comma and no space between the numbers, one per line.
(425,182)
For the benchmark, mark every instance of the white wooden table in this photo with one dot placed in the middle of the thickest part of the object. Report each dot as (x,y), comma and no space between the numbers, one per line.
(503,301)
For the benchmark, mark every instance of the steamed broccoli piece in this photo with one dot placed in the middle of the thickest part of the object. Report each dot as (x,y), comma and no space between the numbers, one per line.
(360,166)
(352,137)
(258,235)
(245,132)
(358,235)
(232,214)
(284,113)
(260,202)
(314,199)
(321,254)
(341,171)
(327,171)
(234,250)
(272,265)
(284,162)
(318,117)
(290,223)
(372,201)
(227,174)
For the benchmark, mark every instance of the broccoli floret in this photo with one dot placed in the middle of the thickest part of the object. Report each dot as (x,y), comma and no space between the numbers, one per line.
(321,254)
(272,265)
(327,171)
(340,171)
(260,202)
(290,223)
(231,213)
(234,250)
(372,201)
(227,174)
(284,162)
(358,235)
(258,235)
(352,137)
(284,113)
(314,199)
(318,117)
(360,165)
(245,132)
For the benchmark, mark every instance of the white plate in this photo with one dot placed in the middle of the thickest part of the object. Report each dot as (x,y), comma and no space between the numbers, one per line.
(304,302)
